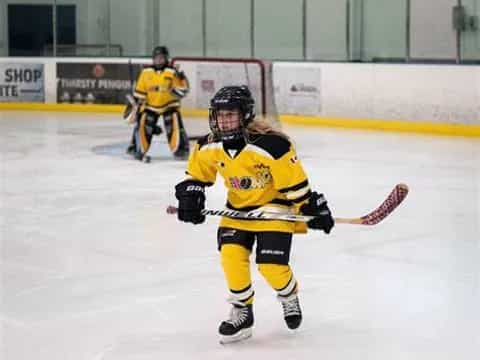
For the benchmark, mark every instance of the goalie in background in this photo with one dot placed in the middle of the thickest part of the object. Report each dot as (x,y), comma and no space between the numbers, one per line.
(159,90)
(261,171)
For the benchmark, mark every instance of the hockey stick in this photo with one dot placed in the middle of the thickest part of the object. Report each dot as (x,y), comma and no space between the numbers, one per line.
(395,198)
(195,137)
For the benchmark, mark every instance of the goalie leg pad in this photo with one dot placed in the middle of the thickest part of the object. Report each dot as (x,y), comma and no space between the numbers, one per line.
(146,127)
(176,134)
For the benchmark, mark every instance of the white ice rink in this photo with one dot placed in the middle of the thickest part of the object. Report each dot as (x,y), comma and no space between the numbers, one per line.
(92,268)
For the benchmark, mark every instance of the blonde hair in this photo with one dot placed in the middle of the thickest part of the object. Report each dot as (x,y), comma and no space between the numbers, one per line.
(262,126)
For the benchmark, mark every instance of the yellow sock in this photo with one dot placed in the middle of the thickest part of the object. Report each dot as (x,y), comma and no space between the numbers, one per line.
(236,267)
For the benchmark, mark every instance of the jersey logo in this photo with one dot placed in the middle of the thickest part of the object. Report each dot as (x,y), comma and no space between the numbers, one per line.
(261,179)
(158,88)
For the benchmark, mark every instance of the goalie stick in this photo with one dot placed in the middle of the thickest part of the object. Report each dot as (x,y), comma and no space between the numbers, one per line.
(195,137)
(395,198)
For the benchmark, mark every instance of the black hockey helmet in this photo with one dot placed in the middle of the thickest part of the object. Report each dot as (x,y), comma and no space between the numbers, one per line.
(163,51)
(232,98)
(160,50)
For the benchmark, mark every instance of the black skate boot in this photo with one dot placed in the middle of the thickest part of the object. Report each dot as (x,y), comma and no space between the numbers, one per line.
(131,149)
(181,154)
(141,157)
(138,155)
(291,310)
(239,326)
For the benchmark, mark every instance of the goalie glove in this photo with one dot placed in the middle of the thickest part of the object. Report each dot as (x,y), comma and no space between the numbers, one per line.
(181,75)
(317,206)
(191,201)
(131,109)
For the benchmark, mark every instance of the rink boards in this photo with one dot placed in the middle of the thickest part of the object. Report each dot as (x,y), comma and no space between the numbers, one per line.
(440,99)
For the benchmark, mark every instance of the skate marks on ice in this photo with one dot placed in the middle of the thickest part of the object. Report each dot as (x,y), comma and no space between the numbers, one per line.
(202,343)
(158,151)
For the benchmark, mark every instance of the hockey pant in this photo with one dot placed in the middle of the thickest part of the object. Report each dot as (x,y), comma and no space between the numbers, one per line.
(272,257)
(146,127)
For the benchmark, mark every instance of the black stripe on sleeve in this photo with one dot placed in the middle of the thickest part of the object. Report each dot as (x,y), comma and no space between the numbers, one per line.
(294,187)
(301,198)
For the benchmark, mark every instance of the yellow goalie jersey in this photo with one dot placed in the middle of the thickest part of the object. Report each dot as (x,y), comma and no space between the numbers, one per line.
(265,173)
(161,90)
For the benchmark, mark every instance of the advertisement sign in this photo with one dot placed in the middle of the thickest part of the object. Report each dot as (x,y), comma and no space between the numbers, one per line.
(22,82)
(95,83)
(211,77)
(297,90)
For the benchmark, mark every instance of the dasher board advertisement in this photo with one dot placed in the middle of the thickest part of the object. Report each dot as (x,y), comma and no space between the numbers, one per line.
(22,82)
(95,83)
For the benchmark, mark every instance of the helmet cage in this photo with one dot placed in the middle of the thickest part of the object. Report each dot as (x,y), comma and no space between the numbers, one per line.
(161,51)
(233,98)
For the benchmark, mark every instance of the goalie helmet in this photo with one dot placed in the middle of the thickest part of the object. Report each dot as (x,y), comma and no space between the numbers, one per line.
(160,57)
(232,98)
(160,50)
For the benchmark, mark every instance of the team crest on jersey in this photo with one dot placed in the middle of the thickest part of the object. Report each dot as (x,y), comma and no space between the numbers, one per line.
(261,179)
(158,88)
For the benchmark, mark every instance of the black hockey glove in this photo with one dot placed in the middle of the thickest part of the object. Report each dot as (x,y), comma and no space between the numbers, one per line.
(191,201)
(181,75)
(317,206)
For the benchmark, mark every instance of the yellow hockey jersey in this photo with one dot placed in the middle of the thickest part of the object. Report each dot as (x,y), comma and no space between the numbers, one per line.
(160,89)
(264,173)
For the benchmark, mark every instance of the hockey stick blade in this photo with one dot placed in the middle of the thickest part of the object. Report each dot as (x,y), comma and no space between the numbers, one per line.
(395,198)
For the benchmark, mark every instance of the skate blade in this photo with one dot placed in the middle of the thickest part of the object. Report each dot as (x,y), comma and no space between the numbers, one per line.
(240,336)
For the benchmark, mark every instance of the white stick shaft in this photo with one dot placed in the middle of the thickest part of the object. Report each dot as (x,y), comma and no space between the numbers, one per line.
(260,215)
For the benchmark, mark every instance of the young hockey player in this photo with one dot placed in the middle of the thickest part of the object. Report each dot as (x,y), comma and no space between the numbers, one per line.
(261,170)
(158,92)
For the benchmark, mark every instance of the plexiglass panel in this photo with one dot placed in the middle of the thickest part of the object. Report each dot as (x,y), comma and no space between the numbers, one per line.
(323,30)
(384,30)
(326,23)
(470,37)
(180,26)
(432,36)
(228,32)
(278,27)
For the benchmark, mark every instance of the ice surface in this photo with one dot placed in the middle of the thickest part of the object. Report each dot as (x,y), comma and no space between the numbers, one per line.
(92,267)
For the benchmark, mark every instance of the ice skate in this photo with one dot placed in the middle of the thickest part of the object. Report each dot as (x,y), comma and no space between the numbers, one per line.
(130,149)
(291,310)
(239,326)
